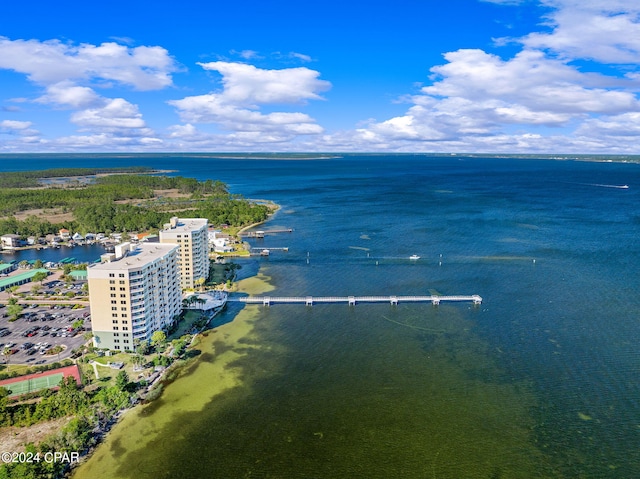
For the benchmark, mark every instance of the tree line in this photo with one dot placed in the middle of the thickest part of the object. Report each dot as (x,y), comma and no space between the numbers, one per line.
(99,207)
(30,179)
(89,410)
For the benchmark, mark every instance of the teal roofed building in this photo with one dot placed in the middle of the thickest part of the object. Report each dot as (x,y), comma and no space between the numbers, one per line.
(21,278)
(6,268)
(79,275)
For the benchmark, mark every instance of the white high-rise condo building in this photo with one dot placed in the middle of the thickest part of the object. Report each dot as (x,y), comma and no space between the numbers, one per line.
(133,293)
(191,234)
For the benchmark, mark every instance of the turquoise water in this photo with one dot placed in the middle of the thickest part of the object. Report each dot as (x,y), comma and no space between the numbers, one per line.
(539,381)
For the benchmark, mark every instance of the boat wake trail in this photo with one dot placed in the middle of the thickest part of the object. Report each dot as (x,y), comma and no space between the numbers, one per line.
(600,185)
(621,187)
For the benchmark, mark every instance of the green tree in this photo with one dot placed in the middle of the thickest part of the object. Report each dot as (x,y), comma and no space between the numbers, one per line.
(4,394)
(158,338)
(11,290)
(142,348)
(112,399)
(138,360)
(39,277)
(56,350)
(14,311)
(7,352)
(179,346)
(122,380)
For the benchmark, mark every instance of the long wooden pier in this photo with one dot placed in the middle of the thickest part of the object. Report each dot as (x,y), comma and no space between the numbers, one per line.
(353,300)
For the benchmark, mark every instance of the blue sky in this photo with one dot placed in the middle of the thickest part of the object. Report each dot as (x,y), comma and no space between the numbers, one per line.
(512,76)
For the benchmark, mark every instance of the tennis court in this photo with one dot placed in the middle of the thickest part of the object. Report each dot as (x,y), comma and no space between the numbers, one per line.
(34,384)
(37,381)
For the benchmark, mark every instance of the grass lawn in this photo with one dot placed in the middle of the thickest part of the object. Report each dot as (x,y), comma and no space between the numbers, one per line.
(218,273)
(185,324)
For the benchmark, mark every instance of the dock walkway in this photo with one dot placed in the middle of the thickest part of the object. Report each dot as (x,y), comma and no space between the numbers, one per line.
(353,300)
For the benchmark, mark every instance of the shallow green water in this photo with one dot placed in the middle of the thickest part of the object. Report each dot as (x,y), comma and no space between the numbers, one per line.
(365,392)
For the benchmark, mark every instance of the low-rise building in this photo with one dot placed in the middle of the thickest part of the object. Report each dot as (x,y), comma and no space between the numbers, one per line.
(11,241)
(21,278)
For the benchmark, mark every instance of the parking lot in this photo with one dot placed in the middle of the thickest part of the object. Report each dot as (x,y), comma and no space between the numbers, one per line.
(40,329)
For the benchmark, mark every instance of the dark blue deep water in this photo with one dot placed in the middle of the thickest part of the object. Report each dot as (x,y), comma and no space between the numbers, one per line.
(541,380)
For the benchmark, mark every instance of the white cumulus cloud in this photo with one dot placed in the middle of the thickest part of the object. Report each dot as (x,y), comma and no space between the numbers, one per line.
(478,101)
(70,75)
(606,31)
(246,89)
(248,85)
(50,62)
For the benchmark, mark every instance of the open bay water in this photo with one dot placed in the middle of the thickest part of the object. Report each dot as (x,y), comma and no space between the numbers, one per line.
(541,380)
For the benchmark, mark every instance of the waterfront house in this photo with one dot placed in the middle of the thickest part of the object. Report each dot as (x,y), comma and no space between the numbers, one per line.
(140,236)
(65,234)
(10,241)
(77,237)
(220,243)
(52,239)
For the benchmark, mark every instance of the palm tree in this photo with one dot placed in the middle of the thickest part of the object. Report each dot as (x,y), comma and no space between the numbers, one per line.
(56,350)
(201,302)
(86,336)
(188,302)
(138,360)
(7,354)
(11,290)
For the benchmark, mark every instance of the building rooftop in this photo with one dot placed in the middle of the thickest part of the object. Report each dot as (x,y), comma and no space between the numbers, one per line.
(140,255)
(178,225)
(20,277)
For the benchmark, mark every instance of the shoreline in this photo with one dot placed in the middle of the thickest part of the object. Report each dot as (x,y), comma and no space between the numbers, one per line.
(270,204)
(230,335)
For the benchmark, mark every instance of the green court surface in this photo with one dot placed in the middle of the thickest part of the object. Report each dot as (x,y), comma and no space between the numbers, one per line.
(34,384)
